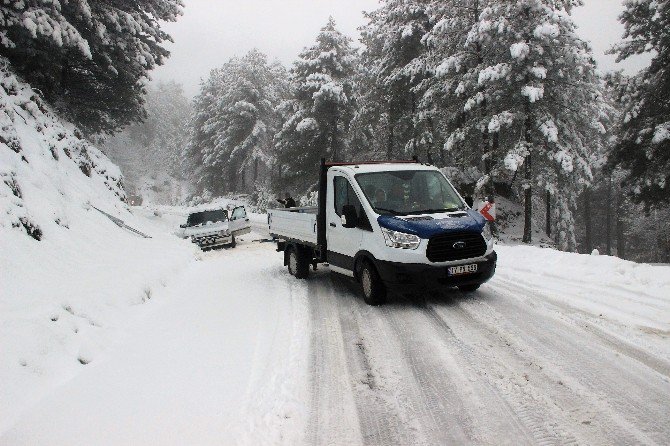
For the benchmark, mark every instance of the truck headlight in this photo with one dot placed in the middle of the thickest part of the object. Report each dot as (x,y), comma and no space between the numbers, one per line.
(396,239)
(486,232)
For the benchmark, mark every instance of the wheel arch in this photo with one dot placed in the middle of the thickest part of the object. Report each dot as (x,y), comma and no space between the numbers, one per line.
(359,259)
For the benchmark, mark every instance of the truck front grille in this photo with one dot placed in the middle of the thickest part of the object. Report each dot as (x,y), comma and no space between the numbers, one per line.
(455,246)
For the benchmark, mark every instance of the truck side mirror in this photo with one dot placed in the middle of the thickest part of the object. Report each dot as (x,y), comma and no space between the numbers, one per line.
(350,216)
(469,201)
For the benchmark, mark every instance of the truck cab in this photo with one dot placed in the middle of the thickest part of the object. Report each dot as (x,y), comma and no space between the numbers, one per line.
(394,225)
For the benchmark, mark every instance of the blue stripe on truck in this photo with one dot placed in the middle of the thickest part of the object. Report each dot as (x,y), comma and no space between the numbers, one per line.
(472,222)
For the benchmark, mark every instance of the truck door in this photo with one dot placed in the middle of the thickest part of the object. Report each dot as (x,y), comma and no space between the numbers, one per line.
(343,243)
(239,222)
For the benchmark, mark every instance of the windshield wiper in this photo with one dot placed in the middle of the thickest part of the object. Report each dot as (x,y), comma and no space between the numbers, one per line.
(435,211)
(390,211)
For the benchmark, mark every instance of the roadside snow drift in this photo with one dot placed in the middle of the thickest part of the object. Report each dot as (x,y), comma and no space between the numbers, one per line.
(69,277)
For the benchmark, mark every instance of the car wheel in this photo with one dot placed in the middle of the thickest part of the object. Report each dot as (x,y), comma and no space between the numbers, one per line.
(292,262)
(469,288)
(298,263)
(374,291)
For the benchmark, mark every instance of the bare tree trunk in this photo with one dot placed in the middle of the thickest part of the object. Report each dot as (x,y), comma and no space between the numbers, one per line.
(588,237)
(255,170)
(243,183)
(415,153)
(334,140)
(608,226)
(528,192)
(391,136)
(620,236)
(429,148)
(548,216)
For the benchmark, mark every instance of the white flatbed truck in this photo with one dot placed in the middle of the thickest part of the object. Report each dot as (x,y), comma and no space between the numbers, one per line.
(387,224)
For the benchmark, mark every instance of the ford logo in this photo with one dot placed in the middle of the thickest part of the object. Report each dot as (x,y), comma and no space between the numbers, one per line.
(459,245)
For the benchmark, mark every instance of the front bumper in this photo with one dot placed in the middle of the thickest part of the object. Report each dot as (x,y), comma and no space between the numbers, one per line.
(419,275)
(211,240)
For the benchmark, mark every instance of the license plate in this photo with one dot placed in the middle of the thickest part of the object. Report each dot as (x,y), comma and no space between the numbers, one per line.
(461,269)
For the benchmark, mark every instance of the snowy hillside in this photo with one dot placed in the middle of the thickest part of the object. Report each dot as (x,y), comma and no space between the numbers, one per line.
(35,144)
(70,277)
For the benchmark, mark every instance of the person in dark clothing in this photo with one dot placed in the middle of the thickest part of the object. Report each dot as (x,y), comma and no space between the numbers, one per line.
(288,202)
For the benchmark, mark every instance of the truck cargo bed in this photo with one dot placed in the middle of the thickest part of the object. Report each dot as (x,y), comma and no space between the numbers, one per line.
(297,224)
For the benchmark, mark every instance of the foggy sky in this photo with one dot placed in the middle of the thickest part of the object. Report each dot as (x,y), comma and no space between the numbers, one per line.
(212,31)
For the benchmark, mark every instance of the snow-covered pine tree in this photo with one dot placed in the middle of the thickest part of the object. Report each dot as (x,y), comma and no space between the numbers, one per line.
(318,115)
(169,113)
(370,129)
(203,134)
(592,201)
(540,81)
(393,36)
(644,146)
(235,121)
(89,59)
(455,61)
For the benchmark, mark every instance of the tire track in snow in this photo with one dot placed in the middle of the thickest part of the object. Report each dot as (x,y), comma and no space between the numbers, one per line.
(437,400)
(382,420)
(482,414)
(507,373)
(620,345)
(333,417)
(430,389)
(475,370)
(634,396)
(443,412)
(589,397)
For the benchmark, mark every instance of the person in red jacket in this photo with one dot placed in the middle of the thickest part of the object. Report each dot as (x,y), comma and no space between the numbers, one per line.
(488,210)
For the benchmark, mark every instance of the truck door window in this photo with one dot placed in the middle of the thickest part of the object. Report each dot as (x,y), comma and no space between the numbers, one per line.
(345,194)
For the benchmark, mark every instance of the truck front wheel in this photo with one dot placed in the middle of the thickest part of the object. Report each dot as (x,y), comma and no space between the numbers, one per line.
(374,291)
(298,263)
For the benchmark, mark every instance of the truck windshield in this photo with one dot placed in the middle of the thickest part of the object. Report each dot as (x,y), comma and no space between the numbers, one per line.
(205,217)
(409,192)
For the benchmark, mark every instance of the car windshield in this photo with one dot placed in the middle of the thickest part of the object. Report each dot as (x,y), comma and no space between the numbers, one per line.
(409,192)
(206,217)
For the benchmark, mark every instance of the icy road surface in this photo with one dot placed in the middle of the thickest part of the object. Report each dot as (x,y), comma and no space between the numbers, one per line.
(239,352)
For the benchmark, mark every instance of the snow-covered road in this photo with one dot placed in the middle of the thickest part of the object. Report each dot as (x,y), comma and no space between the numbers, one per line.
(239,352)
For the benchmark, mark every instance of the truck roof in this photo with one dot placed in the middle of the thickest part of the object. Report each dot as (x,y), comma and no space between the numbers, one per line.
(381,167)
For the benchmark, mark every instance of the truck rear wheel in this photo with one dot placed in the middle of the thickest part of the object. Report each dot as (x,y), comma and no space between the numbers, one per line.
(298,263)
(374,291)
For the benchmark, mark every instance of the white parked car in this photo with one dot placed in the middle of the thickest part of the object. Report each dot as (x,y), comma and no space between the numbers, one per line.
(215,228)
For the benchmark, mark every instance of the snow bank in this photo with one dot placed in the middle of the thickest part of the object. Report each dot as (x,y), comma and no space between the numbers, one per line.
(70,278)
(219,357)
(628,300)
(601,271)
